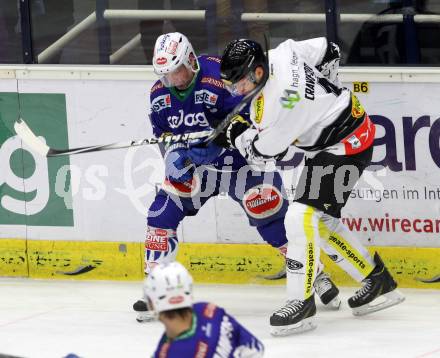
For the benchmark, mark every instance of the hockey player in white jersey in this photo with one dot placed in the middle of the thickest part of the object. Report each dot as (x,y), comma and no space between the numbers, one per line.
(302,104)
(190,97)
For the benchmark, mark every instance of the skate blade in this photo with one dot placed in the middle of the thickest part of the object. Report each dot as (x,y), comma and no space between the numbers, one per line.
(387,300)
(305,325)
(334,304)
(146,316)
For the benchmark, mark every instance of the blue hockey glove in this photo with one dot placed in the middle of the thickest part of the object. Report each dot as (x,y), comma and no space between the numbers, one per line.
(200,153)
(178,165)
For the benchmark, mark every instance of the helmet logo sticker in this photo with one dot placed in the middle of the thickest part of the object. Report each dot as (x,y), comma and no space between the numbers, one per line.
(176,300)
(161,61)
(172,47)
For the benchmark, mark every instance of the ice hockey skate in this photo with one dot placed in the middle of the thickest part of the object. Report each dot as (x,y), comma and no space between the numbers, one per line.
(327,291)
(143,313)
(295,317)
(377,293)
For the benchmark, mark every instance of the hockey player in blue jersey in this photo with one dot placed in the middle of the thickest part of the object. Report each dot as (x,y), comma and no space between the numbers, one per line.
(190,97)
(168,289)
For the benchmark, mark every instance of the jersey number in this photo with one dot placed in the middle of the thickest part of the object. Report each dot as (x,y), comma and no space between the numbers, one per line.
(328,86)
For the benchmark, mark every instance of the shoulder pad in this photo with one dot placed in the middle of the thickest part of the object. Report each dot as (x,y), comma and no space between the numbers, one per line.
(157,86)
(209,310)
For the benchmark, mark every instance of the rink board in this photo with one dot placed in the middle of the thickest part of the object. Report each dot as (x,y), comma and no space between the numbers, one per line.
(208,263)
(104,196)
(83,217)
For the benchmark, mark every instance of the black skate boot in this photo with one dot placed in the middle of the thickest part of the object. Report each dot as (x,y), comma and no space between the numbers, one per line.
(295,317)
(378,283)
(144,314)
(327,291)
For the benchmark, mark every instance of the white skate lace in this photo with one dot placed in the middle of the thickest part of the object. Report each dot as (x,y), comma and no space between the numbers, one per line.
(365,288)
(322,284)
(290,308)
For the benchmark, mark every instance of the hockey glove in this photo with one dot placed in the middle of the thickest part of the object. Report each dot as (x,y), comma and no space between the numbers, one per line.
(178,165)
(200,153)
(245,143)
(227,138)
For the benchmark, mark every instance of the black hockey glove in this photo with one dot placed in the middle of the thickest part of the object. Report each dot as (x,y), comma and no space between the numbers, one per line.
(226,139)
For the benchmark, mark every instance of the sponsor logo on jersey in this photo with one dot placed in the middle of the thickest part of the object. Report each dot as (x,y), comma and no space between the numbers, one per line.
(357,110)
(161,102)
(175,300)
(215,59)
(212,81)
(293,265)
(205,96)
(262,201)
(354,142)
(161,61)
(259,108)
(224,345)
(157,240)
(172,47)
(202,350)
(361,138)
(294,70)
(209,310)
(290,99)
(310,82)
(189,120)
(185,190)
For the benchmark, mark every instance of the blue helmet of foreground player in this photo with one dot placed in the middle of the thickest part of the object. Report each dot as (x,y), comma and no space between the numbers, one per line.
(240,58)
(169,287)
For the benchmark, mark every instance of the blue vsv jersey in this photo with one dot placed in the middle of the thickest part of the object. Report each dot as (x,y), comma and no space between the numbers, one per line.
(203,106)
(214,334)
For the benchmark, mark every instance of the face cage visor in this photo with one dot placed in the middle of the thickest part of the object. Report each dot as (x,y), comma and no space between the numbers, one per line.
(180,76)
(237,89)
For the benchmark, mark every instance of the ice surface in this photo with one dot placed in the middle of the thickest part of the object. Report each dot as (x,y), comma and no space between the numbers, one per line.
(47,319)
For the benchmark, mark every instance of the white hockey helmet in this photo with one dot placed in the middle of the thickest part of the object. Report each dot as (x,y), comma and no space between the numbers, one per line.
(169,287)
(170,52)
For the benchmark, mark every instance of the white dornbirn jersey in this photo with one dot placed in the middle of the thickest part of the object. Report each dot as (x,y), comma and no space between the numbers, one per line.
(298,104)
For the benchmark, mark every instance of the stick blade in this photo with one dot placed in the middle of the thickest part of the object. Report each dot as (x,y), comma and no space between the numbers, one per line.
(29,138)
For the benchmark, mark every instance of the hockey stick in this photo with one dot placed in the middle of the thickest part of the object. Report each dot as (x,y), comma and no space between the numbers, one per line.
(40,147)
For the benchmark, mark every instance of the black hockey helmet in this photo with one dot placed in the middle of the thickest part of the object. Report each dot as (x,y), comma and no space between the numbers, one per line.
(241,57)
